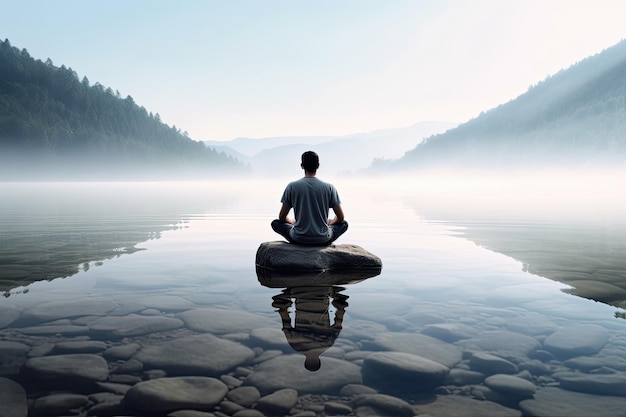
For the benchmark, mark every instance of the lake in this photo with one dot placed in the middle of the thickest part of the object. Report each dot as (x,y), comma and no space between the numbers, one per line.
(500,296)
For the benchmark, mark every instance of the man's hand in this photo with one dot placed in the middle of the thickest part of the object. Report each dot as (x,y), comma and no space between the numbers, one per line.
(338,215)
(284,211)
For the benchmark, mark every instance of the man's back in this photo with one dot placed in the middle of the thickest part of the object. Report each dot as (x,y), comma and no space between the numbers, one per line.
(311,199)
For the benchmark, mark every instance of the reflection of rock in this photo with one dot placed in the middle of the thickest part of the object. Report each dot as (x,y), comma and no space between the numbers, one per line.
(281,279)
(283,256)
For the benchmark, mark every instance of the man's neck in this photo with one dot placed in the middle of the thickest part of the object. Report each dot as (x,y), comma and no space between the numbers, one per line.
(309,174)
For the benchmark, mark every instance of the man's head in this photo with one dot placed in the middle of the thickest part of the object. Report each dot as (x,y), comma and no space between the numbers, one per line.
(310,161)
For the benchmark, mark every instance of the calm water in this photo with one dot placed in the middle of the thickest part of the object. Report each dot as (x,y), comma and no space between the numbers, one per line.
(468,270)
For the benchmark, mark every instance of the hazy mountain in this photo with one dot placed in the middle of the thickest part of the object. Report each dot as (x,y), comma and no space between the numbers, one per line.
(572,119)
(55,126)
(338,154)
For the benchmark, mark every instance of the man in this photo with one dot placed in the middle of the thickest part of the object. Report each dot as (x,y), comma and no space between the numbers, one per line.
(310,199)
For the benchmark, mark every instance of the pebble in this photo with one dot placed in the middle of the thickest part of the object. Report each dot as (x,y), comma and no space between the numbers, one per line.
(581,340)
(66,371)
(54,310)
(170,394)
(56,404)
(602,384)
(420,345)
(502,343)
(511,386)
(491,364)
(383,404)
(244,396)
(279,402)
(80,346)
(462,406)
(220,321)
(124,351)
(202,354)
(133,325)
(552,401)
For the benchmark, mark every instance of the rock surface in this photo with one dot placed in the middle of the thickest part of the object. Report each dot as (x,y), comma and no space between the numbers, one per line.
(285,256)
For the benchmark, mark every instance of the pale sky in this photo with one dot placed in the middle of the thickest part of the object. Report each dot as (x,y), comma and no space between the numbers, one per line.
(259,68)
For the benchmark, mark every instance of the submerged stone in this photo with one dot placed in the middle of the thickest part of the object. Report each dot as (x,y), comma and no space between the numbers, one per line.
(579,340)
(394,371)
(66,371)
(283,256)
(202,354)
(288,371)
(461,406)
(171,394)
(13,402)
(552,401)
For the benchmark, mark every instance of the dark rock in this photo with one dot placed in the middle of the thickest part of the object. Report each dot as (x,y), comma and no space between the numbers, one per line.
(13,401)
(57,404)
(283,256)
(394,371)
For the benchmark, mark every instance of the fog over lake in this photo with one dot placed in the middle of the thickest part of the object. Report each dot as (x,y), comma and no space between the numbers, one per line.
(515,285)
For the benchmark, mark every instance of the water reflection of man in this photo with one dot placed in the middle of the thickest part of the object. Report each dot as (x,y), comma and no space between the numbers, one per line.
(312,334)
(310,199)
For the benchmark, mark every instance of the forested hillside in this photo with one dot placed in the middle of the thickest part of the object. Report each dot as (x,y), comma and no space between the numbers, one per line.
(54,125)
(576,118)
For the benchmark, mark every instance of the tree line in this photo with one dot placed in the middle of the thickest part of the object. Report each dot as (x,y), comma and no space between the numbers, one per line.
(47,113)
(575,117)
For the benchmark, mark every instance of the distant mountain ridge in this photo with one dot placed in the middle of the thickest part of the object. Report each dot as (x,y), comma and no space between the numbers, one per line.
(574,118)
(55,126)
(347,154)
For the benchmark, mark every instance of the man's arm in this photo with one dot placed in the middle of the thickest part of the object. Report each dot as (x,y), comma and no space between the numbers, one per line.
(338,215)
(284,211)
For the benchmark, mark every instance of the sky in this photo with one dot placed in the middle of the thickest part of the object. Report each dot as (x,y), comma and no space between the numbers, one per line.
(251,68)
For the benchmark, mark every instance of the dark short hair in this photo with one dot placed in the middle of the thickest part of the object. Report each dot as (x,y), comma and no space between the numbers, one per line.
(310,161)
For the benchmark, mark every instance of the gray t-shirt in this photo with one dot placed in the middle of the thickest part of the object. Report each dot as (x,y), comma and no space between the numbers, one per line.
(310,198)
